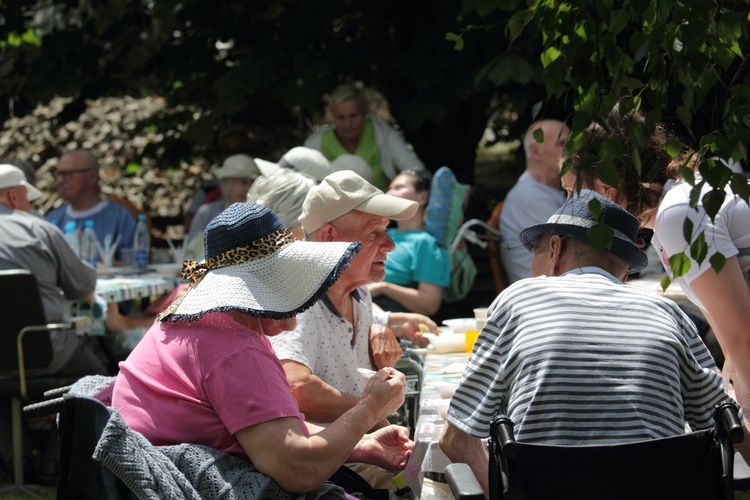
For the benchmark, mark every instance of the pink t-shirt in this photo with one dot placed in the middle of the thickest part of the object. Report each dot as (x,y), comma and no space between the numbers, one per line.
(201,382)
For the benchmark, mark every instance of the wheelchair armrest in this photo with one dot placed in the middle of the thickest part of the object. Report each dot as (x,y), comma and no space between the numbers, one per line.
(728,419)
(501,429)
(43,408)
(463,483)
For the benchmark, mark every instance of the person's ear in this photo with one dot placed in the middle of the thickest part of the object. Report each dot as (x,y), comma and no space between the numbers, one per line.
(424,197)
(555,250)
(327,233)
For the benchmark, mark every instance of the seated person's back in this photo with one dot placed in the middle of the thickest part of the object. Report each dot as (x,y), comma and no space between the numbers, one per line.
(575,356)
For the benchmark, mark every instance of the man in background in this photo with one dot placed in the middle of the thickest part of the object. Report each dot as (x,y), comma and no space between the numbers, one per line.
(535,196)
(78,184)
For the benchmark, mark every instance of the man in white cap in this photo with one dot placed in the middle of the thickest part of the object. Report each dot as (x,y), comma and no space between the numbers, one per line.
(331,341)
(32,243)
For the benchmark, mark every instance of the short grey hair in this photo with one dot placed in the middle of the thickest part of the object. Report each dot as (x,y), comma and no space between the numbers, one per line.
(348,92)
(282,192)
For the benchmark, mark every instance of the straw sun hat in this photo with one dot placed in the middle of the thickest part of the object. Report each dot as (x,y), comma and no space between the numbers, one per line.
(255,266)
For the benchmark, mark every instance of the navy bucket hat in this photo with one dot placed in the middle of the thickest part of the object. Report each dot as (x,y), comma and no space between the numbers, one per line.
(574,219)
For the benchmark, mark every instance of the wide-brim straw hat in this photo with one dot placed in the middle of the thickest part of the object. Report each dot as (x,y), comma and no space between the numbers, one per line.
(575,219)
(255,265)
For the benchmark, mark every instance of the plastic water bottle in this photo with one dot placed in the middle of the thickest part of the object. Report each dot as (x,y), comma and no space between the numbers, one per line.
(71,236)
(142,244)
(89,244)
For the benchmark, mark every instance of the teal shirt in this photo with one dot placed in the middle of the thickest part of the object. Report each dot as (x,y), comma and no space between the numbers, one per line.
(417,259)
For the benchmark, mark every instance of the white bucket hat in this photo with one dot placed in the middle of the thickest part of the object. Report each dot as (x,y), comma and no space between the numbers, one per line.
(344,191)
(12,176)
(238,166)
(255,266)
(308,161)
(353,163)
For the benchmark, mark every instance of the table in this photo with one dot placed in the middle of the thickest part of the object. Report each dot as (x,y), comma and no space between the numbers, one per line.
(427,458)
(122,288)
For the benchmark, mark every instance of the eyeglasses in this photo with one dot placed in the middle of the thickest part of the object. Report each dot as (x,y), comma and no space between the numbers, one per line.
(66,174)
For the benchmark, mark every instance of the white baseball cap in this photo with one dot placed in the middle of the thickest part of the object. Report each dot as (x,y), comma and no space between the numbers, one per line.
(12,176)
(344,191)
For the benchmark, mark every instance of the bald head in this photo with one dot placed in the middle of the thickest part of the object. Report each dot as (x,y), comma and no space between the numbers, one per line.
(543,158)
(78,179)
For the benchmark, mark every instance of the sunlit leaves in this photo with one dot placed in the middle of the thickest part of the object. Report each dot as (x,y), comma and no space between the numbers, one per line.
(550,55)
(674,146)
(680,264)
(458,40)
(665,282)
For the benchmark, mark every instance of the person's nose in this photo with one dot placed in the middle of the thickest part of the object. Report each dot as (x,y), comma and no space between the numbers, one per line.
(388,245)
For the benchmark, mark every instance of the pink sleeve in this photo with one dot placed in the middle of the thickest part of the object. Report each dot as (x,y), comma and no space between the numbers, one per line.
(249,387)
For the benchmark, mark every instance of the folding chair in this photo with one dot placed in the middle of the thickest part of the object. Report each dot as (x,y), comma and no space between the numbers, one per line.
(697,465)
(487,239)
(24,345)
(443,217)
(81,422)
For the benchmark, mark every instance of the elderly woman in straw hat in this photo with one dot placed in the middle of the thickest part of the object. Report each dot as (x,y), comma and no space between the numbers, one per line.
(207,374)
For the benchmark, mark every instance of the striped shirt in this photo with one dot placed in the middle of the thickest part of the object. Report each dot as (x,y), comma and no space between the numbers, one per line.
(584,357)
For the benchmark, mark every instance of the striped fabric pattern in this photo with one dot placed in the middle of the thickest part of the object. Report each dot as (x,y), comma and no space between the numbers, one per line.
(586,358)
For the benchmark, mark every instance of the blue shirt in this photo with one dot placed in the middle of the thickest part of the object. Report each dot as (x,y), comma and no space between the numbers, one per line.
(418,258)
(109,218)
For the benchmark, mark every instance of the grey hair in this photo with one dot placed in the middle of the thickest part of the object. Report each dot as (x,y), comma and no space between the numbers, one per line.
(348,92)
(282,192)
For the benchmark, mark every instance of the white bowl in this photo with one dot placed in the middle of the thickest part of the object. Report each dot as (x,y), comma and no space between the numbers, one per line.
(446,342)
(460,325)
(444,388)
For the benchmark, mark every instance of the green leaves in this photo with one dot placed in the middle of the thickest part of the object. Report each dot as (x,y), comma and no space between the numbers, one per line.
(458,40)
(550,55)
(600,237)
(680,264)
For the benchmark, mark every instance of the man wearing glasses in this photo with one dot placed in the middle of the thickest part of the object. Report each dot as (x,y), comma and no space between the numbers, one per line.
(78,184)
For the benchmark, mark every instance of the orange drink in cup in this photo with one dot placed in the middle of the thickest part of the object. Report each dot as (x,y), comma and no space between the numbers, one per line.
(470,336)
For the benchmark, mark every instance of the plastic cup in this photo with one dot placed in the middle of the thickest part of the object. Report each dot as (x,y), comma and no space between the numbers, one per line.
(470,337)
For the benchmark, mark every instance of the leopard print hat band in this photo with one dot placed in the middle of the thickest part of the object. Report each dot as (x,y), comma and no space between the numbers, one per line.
(256,266)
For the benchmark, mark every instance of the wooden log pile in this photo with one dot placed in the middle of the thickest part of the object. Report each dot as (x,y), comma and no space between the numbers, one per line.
(117,132)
